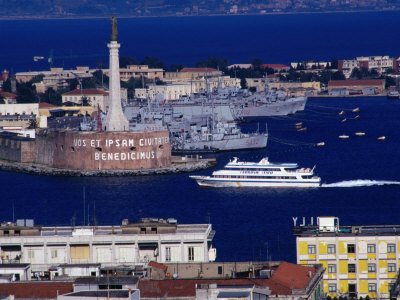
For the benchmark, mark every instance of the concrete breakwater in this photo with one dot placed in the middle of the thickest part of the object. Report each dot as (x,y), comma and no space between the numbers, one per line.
(179,165)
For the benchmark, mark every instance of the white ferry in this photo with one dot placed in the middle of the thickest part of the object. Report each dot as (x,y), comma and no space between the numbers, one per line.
(261,174)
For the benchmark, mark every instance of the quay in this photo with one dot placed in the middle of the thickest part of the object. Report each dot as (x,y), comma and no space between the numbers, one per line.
(179,164)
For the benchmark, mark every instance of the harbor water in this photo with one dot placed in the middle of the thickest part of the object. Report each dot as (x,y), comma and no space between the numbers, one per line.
(360,175)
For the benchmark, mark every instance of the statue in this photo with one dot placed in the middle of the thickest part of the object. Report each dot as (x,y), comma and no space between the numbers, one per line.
(114,30)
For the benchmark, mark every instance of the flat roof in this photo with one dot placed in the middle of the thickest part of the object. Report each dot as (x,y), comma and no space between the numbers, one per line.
(107,280)
(360,230)
(233,294)
(106,293)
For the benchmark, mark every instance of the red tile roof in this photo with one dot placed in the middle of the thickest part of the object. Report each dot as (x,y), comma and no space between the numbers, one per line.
(8,95)
(198,70)
(292,276)
(34,290)
(45,105)
(79,92)
(186,287)
(158,265)
(367,82)
(274,66)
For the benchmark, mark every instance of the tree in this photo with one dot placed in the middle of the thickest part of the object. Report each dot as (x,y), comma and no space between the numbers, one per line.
(257,62)
(1,99)
(85,101)
(356,73)
(126,61)
(153,62)
(176,67)
(6,87)
(213,62)
(243,83)
(26,93)
(334,63)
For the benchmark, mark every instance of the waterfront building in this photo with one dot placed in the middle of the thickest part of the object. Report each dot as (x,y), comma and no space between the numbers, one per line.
(355,86)
(193,73)
(129,244)
(360,260)
(8,98)
(95,97)
(380,64)
(56,78)
(139,71)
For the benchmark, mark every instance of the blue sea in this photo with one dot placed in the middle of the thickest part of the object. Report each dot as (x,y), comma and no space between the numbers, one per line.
(360,184)
(273,38)
(360,174)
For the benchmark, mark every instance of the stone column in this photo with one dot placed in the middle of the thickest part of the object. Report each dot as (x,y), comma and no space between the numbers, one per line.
(115,119)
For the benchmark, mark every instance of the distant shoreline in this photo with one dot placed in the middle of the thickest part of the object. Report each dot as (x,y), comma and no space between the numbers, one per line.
(22,18)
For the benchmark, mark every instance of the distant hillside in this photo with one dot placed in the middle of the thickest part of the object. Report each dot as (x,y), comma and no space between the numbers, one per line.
(87,8)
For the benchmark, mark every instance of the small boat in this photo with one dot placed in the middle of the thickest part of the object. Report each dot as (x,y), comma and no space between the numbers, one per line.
(260,174)
(343,136)
(342,113)
(357,109)
(357,117)
(344,120)
(393,95)
(381,138)
(320,144)
(359,133)
(302,129)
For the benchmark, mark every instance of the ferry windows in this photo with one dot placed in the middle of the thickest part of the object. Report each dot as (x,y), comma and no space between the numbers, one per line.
(351,268)
(351,248)
(391,248)
(332,288)
(331,248)
(311,249)
(391,267)
(371,248)
(190,253)
(371,287)
(332,269)
(371,268)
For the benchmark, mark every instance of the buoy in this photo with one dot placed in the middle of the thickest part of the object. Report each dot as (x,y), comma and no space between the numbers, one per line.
(344,120)
(357,109)
(342,113)
(302,129)
(299,124)
(343,136)
(381,138)
(357,117)
(320,144)
(359,133)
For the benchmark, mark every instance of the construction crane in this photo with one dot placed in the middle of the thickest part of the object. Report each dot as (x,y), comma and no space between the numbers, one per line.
(51,57)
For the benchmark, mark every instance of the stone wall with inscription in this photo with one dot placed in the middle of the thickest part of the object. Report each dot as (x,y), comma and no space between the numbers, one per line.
(111,150)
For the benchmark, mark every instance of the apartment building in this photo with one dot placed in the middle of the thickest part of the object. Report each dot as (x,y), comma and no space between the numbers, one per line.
(129,244)
(360,260)
(379,63)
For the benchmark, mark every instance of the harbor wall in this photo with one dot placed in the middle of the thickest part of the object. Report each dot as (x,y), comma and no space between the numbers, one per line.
(44,149)
(17,149)
(111,150)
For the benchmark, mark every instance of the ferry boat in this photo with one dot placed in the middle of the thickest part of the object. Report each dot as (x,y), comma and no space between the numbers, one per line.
(261,174)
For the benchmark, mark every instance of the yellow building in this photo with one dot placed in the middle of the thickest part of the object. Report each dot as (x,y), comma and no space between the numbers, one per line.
(359,260)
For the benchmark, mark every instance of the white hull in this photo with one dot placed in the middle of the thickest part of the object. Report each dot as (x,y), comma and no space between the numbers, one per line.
(216,182)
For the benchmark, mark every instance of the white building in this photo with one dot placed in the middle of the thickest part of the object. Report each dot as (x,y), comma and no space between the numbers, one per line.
(94,96)
(379,63)
(129,244)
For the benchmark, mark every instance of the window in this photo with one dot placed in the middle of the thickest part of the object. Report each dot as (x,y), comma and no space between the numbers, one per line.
(391,248)
(54,253)
(351,248)
(372,287)
(371,248)
(332,288)
(311,249)
(391,267)
(168,254)
(191,253)
(331,268)
(219,270)
(331,249)
(371,268)
(351,268)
